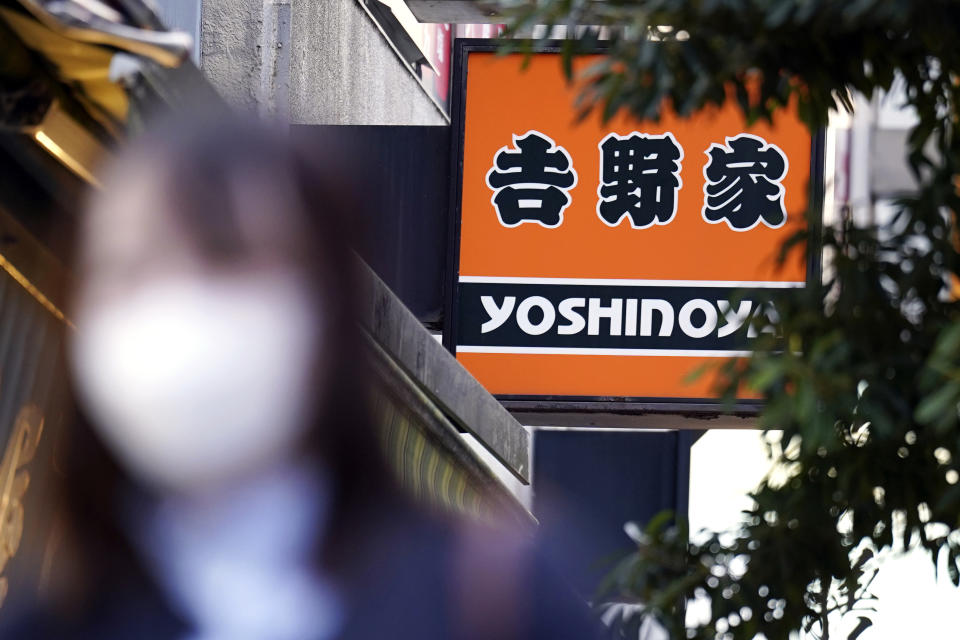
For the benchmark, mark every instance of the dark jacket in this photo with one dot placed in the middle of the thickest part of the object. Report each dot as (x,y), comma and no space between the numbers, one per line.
(418,578)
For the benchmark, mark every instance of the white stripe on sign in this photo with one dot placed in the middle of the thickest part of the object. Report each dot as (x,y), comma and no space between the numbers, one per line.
(689,353)
(736,284)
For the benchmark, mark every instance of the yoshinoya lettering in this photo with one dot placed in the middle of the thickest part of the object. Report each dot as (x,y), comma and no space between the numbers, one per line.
(676,317)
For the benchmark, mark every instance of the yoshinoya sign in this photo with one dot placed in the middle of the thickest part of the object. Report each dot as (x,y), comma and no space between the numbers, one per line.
(609,260)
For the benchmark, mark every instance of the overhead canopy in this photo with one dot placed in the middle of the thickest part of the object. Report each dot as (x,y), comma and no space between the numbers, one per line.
(455,11)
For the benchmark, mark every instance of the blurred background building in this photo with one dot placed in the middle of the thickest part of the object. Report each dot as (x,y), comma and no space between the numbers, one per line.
(76,80)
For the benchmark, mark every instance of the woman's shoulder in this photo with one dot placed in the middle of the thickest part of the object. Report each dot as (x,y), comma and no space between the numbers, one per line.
(448,577)
(510,589)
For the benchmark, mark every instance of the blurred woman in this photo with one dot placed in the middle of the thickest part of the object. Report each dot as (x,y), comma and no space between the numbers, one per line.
(230,484)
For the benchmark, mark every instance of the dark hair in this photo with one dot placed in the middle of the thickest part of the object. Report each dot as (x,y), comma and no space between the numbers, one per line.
(197,163)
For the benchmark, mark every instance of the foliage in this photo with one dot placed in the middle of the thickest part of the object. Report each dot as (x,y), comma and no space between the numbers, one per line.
(867,390)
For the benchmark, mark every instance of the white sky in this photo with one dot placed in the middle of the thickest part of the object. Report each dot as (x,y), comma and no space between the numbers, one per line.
(726,464)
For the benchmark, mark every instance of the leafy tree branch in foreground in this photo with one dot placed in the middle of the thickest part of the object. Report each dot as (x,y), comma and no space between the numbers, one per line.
(864,376)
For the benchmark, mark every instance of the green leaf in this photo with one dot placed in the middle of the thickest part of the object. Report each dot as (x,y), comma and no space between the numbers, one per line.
(941,403)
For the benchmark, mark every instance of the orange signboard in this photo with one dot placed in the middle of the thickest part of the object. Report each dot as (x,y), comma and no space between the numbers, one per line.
(598,259)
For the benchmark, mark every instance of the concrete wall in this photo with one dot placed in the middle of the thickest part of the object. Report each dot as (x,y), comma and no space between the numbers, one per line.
(309,62)
(345,72)
(230,49)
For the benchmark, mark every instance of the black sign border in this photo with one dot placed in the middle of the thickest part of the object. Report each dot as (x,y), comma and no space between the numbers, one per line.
(703,407)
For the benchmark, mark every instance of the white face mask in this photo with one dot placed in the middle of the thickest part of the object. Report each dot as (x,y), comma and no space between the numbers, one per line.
(194,381)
